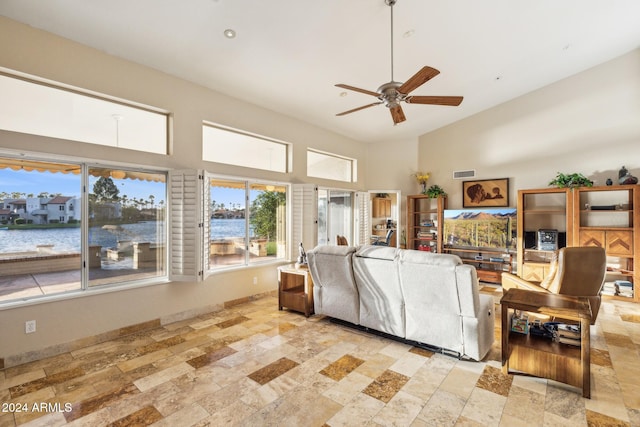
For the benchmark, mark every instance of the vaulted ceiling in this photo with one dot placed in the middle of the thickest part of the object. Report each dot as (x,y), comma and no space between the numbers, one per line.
(287,55)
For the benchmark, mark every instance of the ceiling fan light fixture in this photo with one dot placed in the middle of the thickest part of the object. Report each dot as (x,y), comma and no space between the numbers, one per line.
(392,93)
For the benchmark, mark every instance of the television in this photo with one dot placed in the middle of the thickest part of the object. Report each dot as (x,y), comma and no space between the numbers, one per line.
(486,228)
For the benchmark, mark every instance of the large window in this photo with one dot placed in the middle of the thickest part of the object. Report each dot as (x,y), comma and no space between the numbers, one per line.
(43,244)
(331,166)
(248,222)
(29,107)
(237,148)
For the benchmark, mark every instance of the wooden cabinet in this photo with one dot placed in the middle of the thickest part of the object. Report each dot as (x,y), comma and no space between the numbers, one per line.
(541,209)
(544,357)
(604,216)
(425,217)
(607,217)
(489,263)
(381,207)
(295,289)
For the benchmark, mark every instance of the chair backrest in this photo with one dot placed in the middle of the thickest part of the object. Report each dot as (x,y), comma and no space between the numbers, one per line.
(581,271)
(341,241)
(387,239)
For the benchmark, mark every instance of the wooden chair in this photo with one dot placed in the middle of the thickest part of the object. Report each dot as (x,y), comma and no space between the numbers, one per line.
(577,271)
(341,241)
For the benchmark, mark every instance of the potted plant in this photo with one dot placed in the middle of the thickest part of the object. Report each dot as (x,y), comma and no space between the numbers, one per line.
(435,191)
(571,180)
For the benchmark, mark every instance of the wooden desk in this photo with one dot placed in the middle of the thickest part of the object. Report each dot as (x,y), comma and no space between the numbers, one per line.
(295,289)
(543,357)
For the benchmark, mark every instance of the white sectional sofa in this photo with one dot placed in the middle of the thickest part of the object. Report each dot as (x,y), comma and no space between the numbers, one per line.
(419,296)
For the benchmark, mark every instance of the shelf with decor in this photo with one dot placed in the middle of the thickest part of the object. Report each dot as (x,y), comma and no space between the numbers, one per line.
(607,217)
(424,222)
(544,224)
(489,263)
(603,216)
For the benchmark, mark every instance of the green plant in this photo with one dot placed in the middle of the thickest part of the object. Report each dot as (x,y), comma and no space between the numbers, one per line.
(435,191)
(571,180)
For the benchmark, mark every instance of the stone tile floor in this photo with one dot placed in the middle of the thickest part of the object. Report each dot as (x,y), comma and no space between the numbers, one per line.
(252,365)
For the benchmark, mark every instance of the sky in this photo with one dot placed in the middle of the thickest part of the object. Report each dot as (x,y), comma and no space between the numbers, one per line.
(69,185)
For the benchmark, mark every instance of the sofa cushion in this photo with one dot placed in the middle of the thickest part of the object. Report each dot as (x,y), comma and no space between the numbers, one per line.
(381,300)
(334,250)
(423,257)
(334,289)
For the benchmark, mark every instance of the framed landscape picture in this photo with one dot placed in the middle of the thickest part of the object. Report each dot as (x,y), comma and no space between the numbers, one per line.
(487,192)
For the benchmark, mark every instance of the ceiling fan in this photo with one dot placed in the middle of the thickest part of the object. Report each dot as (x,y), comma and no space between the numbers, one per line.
(391,94)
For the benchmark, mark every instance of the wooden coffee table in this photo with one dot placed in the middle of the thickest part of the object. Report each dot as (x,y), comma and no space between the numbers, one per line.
(543,357)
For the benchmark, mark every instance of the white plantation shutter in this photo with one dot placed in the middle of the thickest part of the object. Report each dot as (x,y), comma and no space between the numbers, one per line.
(186,225)
(362,218)
(206,225)
(304,219)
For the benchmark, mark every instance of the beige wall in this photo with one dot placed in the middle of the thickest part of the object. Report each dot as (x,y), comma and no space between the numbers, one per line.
(38,53)
(588,123)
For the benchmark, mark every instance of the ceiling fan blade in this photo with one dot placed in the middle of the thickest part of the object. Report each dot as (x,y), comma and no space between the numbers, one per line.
(397,114)
(358,109)
(421,77)
(453,101)
(357,89)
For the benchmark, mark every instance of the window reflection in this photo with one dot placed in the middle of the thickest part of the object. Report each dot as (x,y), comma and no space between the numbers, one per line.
(242,234)
(126,225)
(40,236)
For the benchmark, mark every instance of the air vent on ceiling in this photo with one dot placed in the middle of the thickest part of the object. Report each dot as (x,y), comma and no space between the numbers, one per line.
(464,174)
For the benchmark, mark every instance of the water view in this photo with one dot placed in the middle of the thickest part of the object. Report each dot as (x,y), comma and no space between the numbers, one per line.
(68,239)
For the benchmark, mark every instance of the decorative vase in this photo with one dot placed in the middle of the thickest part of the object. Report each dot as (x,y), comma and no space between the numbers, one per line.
(424,187)
(624,177)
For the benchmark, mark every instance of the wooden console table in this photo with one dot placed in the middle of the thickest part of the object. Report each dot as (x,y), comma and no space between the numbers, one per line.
(543,357)
(295,289)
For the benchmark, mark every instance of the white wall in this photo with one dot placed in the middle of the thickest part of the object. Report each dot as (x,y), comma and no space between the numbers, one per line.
(38,53)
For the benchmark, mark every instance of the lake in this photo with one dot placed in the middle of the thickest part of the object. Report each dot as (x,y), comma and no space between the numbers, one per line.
(68,239)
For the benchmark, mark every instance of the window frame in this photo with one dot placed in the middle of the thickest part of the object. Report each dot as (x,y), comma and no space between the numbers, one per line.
(84,289)
(353,165)
(288,147)
(92,95)
(247,263)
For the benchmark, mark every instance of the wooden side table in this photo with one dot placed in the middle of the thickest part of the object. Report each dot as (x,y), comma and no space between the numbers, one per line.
(295,289)
(543,357)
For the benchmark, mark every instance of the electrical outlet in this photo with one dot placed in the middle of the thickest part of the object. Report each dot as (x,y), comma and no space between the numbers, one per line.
(255,280)
(29,326)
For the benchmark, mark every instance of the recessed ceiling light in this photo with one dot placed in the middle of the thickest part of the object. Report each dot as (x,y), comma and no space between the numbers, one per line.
(343,94)
(408,33)
(229,33)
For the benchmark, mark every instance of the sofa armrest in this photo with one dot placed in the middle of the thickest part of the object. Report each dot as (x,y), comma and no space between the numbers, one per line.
(511,281)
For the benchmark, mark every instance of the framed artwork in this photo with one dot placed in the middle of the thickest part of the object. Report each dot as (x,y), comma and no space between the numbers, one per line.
(487,192)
